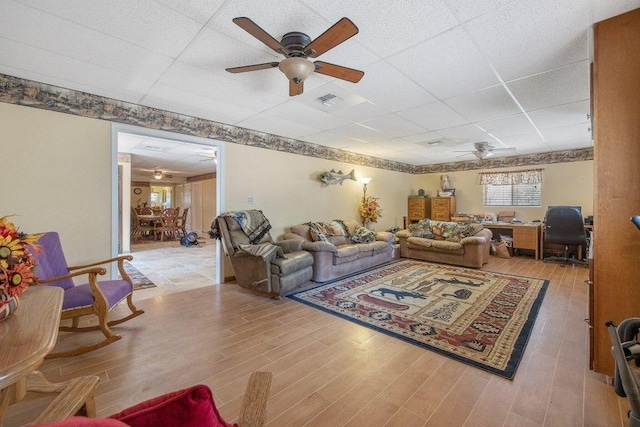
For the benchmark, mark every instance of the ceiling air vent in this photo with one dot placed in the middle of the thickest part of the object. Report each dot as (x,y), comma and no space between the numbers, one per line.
(329,99)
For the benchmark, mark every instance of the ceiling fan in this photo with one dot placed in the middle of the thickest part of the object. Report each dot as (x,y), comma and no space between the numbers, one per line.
(159,175)
(297,47)
(484,150)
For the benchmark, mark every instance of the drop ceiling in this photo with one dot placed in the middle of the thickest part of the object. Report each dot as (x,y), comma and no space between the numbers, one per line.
(439,74)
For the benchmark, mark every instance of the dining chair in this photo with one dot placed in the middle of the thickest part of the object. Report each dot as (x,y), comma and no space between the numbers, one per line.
(166,225)
(139,227)
(182,222)
(146,211)
(92,298)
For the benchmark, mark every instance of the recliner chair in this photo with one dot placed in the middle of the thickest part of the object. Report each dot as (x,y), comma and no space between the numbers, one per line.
(273,267)
(564,226)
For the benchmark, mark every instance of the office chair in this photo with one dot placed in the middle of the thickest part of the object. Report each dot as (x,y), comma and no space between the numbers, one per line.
(564,226)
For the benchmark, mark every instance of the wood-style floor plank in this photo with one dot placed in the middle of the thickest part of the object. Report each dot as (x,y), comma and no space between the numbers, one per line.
(329,371)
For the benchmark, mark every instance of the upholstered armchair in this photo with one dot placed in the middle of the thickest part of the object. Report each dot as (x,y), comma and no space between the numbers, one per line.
(267,266)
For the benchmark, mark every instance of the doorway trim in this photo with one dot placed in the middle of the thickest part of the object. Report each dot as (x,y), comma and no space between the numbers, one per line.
(220,180)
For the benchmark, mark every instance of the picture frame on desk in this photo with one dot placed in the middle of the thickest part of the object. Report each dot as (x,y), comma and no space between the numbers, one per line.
(447,193)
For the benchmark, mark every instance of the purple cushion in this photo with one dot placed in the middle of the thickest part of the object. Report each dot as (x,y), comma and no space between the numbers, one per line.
(81,296)
(50,260)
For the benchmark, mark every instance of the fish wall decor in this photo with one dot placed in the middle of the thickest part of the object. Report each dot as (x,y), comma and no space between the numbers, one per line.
(333,177)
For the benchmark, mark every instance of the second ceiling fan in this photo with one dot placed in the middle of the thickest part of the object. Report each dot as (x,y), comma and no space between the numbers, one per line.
(297,47)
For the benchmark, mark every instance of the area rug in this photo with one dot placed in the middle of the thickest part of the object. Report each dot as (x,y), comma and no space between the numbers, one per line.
(139,280)
(480,318)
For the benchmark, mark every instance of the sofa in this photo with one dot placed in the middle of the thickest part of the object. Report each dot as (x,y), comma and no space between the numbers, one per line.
(340,248)
(467,245)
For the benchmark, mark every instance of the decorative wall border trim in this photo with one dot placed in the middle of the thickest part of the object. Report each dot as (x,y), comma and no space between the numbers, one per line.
(201,177)
(14,90)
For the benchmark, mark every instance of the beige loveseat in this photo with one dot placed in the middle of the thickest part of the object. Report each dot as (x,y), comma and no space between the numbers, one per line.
(339,256)
(446,242)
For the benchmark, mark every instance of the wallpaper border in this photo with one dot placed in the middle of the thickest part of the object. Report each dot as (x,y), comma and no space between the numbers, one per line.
(14,90)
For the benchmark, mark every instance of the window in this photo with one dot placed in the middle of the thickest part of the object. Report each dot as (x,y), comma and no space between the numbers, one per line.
(520,188)
(512,195)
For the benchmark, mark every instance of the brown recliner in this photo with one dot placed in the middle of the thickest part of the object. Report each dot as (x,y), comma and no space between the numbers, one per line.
(273,267)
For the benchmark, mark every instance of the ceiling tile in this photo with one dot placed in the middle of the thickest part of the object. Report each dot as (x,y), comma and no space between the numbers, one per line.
(507,126)
(359,112)
(573,133)
(433,116)
(393,26)
(530,140)
(39,29)
(469,9)
(423,138)
(486,104)
(562,115)
(29,58)
(560,86)
(222,87)
(388,88)
(605,9)
(287,128)
(394,125)
(446,65)
(331,139)
(466,133)
(198,10)
(189,103)
(143,22)
(531,36)
(300,113)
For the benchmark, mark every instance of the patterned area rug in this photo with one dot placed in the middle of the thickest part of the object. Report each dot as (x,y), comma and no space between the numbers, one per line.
(480,318)
(139,280)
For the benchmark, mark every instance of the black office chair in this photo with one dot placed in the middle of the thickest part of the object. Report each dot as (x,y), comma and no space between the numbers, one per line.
(564,226)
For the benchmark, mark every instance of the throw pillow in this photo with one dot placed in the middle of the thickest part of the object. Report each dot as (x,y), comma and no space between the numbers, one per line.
(191,407)
(317,232)
(420,230)
(338,228)
(362,235)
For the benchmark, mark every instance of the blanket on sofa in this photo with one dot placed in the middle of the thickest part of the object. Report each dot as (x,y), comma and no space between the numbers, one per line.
(441,230)
(252,222)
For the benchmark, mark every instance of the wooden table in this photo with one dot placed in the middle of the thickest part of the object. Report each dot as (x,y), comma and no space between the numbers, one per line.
(525,236)
(26,337)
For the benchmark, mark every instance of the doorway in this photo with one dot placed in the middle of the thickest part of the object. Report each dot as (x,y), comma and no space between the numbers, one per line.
(166,165)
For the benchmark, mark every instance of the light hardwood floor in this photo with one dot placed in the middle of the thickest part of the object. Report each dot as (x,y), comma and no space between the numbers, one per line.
(331,372)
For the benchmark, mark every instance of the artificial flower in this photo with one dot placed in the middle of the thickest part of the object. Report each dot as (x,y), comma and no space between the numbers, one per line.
(16,262)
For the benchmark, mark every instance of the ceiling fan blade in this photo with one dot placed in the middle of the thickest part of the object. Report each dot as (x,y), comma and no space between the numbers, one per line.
(295,88)
(254,67)
(254,29)
(339,32)
(338,71)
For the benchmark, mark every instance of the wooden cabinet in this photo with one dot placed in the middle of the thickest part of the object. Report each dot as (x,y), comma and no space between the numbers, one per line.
(419,208)
(442,208)
(616,242)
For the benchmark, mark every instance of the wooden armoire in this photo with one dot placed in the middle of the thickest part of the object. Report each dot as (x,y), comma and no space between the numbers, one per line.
(615,292)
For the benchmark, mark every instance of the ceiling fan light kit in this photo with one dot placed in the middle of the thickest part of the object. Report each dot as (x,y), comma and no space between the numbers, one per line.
(157,174)
(296,69)
(296,48)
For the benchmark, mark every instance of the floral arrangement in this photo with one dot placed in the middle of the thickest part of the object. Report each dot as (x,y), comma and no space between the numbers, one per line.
(16,262)
(370,210)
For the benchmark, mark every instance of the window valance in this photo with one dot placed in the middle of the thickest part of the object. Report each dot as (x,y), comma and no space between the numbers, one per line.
(529,176)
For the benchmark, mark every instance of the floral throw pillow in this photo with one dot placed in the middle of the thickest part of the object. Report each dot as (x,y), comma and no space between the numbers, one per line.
(317,232)
(362,235)
(420,229)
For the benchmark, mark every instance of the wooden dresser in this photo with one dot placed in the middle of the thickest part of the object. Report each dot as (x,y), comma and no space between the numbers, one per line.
(442,208)
(418,208)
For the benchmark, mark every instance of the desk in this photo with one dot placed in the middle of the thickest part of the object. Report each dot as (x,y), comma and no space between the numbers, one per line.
(525,236)
(26,337)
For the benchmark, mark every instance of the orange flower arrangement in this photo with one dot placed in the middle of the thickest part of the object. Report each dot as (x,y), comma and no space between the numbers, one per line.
(16,262)
(370,210)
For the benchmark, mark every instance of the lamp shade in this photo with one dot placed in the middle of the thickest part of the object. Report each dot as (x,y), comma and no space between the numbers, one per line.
(296,69)
(365,180)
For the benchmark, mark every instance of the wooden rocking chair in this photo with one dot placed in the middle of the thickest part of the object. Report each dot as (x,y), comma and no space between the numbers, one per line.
(94,297)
